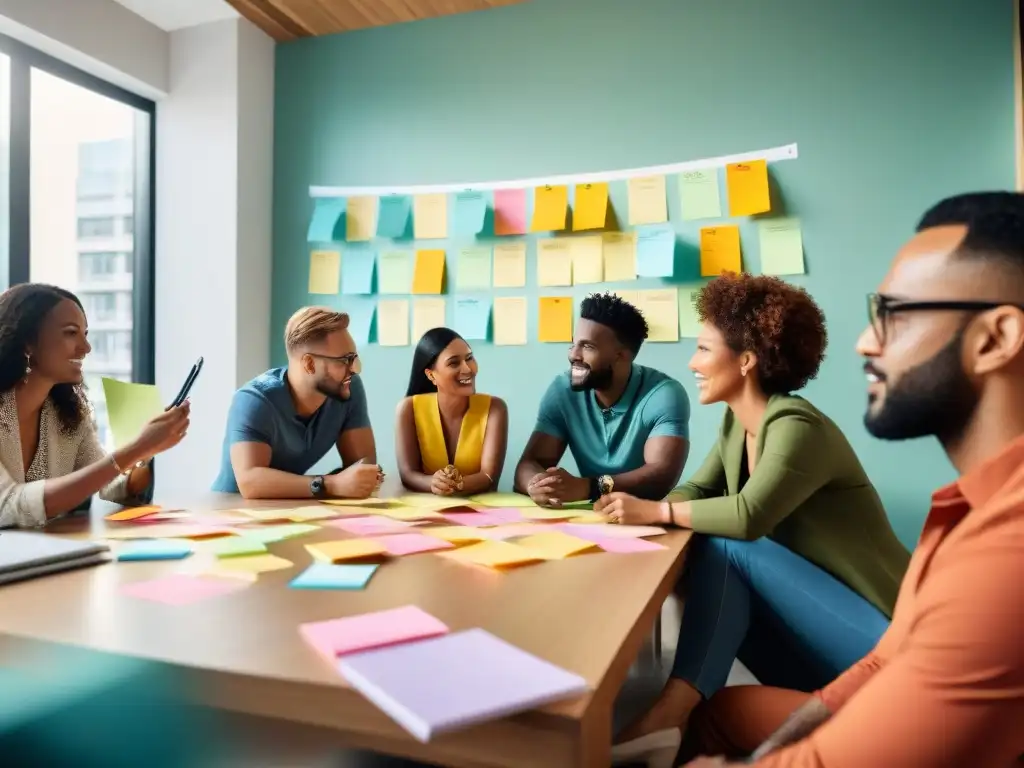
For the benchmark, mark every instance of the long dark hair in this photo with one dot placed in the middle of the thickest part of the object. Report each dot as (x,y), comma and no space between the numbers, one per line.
(23,309)
(425,356)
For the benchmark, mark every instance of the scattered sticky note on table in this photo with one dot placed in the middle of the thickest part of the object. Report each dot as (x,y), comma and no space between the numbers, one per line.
(338,637)
(587,255)
(556,545)
(361,218)
(509,321)
(129,407)
(427,314)
(554,319)
(370,526)
(430,216)
(393,215)
(395,272)
(515,500)
(274,533)
(596,533)
(132,513)
(360,320)
(324,271)
(412,543)
(473,269)
(393,323)
(655,251)
(266,515)
(496,554)
(470,210)
(509,265)
(357,271)
(346,549)
(590,209)
(628,545)
(181,589)
(428,501)
(326,212)
(689,322)
(619,249)
(237,546)
(319,512)
(550,205)
(699,197)
(748,188)
(428,274)
(660,308)
(255,564)
(509,212)
(647,200)
(472,317)
(330,576)
(782,247)
(719,250)
(410,514)
(514,530)
(154,549)
(589,518)
(554,262)
(474,519)
(459,534)
(549,514)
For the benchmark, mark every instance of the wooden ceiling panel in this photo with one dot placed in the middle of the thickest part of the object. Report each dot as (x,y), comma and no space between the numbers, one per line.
(291,19)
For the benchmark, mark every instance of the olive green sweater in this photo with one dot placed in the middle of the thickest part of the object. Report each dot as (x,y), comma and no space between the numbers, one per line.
(808,492)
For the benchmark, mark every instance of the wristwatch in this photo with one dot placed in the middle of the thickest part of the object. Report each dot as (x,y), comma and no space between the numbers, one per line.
(601,486)
(317,487)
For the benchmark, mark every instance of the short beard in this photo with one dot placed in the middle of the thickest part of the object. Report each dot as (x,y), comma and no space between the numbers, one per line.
(335,394)
(933,398)
(599,380)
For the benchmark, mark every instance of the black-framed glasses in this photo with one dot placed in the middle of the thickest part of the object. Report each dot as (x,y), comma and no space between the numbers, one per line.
(349,361)
(882,307)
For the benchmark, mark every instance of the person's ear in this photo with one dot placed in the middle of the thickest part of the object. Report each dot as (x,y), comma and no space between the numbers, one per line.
(308,364)
(748,362)
(430,376)
(996,340)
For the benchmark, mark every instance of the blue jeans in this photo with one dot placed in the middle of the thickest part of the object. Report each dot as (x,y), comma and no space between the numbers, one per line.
(792,624)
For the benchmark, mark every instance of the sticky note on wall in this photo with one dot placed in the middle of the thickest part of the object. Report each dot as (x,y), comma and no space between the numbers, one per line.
(554,319)
(550,205)
(361,220)
(647,200)
(326,212)
(660,309)
(699,196)
(655,251)
(427,314)
(782,247)
(720,250)
(357,271)
(393,322)
(554,262)
(473,269)
(689,322)
(590,209)
(395,272)
(472,317)
(393,215)
(587,261)
(509,212)
(510,265)
(428,274)
(324,272)
(470,211)
(510,321)
(430,216)
(748,188)
(619,256)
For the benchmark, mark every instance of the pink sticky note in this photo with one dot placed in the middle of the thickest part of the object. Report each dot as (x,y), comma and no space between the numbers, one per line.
(508,514)
(181,589)
(474,519)
(512,530)
(411,543)
(338,637)
(369,526)
(624,545)
(510,211)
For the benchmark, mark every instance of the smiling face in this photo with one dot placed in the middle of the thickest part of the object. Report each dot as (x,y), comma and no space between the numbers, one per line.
(716,367)
(333,362)
(593,356)
(454,371)
(61,347)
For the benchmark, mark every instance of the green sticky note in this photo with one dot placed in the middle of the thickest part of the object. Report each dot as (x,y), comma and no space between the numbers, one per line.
(129,407)
(782,247)
(474,269)
(698,194)
(689,324)
(275,533)
(394,272)
(237,546)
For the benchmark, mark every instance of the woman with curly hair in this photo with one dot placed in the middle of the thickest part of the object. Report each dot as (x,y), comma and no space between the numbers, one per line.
(51,461)
(796,569)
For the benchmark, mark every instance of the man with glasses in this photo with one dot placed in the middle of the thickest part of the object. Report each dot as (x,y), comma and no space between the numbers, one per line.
(286,420)
(944,357)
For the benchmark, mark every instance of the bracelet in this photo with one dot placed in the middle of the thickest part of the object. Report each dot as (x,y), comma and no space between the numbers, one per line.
(490,479)
(666,513)
(137,465)
(114,464)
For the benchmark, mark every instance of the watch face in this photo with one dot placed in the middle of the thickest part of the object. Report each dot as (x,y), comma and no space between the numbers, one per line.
(606,484)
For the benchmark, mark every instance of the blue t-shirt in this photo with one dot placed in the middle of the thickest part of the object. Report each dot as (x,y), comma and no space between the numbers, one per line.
(262,412)
(610,442)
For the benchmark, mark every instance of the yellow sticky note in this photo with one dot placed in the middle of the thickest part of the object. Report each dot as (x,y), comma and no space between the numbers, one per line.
(497,554)
(132,513)
(619,256)
(393,322)
(458,534)
(254,564)
(510,265)
(324,271)
(428,274)
(660,308)
(554,262)
(591,207)
(748,188)
(427,314)
(630,297)
(509,321)
(266,515)
(689,322)
(647,200)
(345,550)
(549,514)
(782,247)
(411,514)
(720,250)
(303,514)
(361,218)
(430,216)
(500,500)
(549,208)
(371,502)
(589,518)
(587,259)
(557,545)
(428,501)
(554,319)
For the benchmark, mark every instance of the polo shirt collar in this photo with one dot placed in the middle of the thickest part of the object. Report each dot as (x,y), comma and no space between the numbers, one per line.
(984,482)
(625,403)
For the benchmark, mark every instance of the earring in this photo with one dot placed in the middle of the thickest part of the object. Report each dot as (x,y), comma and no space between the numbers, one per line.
(743,372)
(28,364)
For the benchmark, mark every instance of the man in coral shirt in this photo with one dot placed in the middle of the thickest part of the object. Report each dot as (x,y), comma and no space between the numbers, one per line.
(944,355)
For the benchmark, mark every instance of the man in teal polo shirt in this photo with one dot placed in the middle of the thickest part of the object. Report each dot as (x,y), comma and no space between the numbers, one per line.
(626,424)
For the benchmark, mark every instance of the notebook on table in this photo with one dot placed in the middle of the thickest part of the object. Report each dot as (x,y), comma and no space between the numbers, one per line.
(454,681)
(25,555)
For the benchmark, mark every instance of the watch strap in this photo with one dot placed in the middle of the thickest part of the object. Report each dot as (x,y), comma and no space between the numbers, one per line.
(595,489)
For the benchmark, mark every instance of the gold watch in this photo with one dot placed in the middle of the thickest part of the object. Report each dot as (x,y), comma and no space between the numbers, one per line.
(605,484)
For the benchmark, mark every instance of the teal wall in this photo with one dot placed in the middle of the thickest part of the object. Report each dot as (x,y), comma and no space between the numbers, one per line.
(892,109)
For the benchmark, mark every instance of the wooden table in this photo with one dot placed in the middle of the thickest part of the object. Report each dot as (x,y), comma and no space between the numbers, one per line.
(242,652)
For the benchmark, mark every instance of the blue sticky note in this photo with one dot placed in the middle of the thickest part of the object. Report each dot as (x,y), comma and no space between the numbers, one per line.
(471,316)
(154,549)
(655,251)
(360,320)
(393,215)
(330,576)
(357,271)
(325,218)
(470,210)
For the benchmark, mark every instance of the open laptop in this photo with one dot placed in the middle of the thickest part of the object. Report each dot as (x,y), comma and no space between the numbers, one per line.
(25,555)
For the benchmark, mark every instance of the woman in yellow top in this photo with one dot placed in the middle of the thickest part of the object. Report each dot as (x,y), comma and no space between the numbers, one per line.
(450,440)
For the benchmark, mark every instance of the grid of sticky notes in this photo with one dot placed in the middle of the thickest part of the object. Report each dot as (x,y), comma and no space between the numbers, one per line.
(388,247)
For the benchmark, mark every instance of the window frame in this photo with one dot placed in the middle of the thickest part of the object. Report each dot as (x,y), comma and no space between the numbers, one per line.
(23,60)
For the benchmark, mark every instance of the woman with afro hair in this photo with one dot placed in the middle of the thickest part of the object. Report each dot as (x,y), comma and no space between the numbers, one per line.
(796,568)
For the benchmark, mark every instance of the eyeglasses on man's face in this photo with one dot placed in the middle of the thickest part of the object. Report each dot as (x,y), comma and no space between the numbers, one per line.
(349,361)
(881,308)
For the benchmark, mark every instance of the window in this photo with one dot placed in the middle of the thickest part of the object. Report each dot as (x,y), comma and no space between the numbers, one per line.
(76,174)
